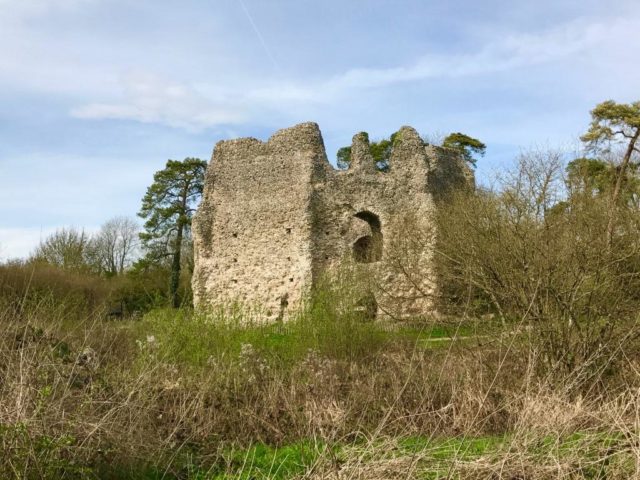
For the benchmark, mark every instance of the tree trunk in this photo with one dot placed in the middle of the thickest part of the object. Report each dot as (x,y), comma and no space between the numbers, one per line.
(175,268)
(618,186)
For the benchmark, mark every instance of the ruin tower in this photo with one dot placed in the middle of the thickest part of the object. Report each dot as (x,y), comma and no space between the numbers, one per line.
(276,218)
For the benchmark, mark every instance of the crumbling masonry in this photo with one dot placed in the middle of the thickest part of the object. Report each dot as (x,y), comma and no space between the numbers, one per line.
(276,218)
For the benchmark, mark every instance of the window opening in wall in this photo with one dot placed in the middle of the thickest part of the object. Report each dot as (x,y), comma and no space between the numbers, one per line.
(368,248)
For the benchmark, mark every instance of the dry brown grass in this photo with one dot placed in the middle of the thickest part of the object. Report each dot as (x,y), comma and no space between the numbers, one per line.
(84,398)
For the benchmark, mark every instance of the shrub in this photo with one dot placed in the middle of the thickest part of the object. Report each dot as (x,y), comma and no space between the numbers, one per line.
(534,252)
(25,285)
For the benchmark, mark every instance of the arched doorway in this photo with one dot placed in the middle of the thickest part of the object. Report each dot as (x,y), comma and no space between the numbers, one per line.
(368,248)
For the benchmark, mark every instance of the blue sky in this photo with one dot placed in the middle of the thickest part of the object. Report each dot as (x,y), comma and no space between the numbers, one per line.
(96,95)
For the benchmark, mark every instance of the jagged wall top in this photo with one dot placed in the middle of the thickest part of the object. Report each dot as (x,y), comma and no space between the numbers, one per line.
(307,137)
(276,215)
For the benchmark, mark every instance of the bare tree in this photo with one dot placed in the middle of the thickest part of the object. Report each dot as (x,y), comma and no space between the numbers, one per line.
(532,251)
(113,248)
(66,248)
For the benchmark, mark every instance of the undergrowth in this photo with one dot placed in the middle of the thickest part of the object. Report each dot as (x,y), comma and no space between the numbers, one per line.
(186,395)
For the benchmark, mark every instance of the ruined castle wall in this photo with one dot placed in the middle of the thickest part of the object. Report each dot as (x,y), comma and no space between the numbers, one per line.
(276,218)
(400,201)
(252,233)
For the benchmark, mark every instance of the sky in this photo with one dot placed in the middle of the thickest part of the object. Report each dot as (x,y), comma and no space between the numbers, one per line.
(96,95)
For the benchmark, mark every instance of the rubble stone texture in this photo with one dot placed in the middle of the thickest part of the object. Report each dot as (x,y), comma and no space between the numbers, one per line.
(276,218)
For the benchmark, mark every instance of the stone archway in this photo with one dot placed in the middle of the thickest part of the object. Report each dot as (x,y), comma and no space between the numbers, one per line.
(368,248)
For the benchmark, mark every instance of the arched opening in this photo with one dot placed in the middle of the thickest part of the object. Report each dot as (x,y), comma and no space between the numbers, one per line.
(368,248)
(371,218)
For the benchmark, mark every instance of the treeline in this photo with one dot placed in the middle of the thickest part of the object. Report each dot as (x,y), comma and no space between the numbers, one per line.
(124,268)
(110,252)
(554,247)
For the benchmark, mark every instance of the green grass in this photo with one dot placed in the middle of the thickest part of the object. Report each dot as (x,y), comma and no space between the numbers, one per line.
(437,455)
(190,338)
(193,339)
(448,448)
(586,448)
(258,462)
(264,462)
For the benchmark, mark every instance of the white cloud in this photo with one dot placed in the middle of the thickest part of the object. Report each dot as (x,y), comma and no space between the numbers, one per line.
(152,99)
(35,60)
(200,70)
(505,53)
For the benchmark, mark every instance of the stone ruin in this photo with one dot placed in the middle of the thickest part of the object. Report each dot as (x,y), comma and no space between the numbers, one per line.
(276,218)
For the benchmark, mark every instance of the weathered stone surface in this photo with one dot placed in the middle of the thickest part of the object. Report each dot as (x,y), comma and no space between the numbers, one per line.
(276,217)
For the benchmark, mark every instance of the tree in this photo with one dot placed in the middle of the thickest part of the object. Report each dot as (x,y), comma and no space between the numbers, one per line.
(380,152)
(65,248)
(614,123)
(510,251)
(589,175)
(467,146)
(168,208)
(344,158)
(113,247)
(597,177)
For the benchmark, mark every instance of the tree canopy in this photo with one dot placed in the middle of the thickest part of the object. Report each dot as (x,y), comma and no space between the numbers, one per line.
(113,248)
(65,248)
(615,123)
(168,208)
(466,145)
(380,151)
(589,175)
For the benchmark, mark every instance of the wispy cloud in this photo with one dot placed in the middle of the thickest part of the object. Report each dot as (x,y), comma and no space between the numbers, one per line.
(152,99)
(510,73)
(513,51)
(33,60)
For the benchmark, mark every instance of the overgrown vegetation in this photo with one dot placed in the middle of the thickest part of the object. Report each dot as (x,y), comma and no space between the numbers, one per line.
(176,395)
(380,150)
(532,370)
(535,252)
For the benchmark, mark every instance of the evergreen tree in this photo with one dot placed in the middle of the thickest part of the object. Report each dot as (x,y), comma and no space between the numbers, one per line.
(380,152)
(615,123)
(168,208)
(466,145)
